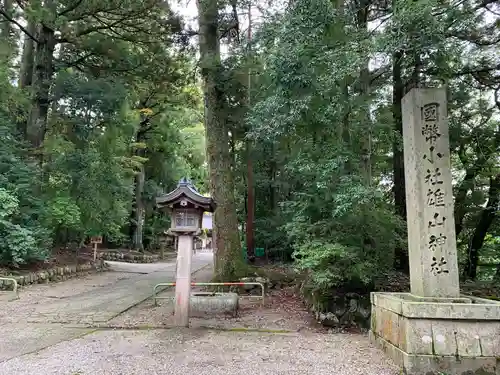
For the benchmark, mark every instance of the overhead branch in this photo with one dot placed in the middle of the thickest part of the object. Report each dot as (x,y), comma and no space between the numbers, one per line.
(70,8)
(466,70)
(21,27)
(76,62)
(485,3)
(476,37)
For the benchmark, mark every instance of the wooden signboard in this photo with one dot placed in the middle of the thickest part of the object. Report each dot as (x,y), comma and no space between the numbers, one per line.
(95,240)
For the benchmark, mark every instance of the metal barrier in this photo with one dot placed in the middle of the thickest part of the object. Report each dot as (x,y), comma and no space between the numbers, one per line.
(262,296)
(14,284)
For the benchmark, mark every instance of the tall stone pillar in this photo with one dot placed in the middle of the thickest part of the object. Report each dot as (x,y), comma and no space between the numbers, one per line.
(183,280)
(429,196)
(433,330)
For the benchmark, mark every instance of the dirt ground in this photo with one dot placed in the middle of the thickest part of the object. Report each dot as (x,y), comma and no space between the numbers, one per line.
(282,311)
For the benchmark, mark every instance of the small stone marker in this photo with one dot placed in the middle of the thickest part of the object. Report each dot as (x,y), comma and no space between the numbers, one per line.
(429,195)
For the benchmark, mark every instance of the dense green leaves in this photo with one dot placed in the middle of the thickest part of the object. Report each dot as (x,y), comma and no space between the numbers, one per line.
(111,97)
(112,117)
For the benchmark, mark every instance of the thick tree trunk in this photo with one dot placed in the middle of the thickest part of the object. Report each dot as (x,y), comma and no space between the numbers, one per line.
(42,79)
(8,34)
(27,60)
(485,221)
(5,26)
(228,263)
(138,213)
(364,92)
(401,255)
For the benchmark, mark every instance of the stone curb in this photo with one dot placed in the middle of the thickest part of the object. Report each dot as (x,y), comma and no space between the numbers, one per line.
(128,258)
(55,274)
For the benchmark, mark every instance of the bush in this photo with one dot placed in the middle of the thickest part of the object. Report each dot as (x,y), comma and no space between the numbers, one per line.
(18,244)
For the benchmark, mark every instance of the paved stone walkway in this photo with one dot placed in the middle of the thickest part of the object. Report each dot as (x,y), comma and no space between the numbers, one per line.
(48,314)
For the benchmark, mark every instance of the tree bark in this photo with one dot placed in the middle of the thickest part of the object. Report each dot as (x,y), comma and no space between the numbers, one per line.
(228,257)
(42,79)
(250,206)
(250,239)
(137,238)
(27,60)
(364,91)
(7,34)
(138,213)
(485,221)
(399,189)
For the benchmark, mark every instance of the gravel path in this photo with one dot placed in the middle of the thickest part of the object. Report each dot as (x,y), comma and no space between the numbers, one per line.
(74,349)
(204,352)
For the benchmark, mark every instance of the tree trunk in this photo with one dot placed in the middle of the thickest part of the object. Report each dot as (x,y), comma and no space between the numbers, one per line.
(138,214)
(460,207)
(229,262)
(8,35)
(42,79)
(137,237)
(485,221)
(401,255)
(364,91)
(5,26)
(272,181)
(250,185)
(27,60)
(250,207)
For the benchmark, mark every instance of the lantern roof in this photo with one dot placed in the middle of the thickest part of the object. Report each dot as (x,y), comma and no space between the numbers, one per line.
(186,190)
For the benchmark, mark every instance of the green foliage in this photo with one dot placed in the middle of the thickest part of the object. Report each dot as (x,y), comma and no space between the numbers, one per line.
(121,100)
(324,129)
(18,244)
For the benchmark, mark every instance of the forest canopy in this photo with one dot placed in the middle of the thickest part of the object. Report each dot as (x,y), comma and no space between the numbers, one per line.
(291,119)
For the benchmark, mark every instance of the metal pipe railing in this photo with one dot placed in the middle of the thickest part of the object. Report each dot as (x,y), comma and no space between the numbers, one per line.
(262,296)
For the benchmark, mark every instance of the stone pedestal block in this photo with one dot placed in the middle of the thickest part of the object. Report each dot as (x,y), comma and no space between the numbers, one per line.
(438,336)
(203,303)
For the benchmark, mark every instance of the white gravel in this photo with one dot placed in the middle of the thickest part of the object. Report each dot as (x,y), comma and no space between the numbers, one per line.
(204,352)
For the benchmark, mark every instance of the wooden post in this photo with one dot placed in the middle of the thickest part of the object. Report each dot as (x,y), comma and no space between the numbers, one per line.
(95,241)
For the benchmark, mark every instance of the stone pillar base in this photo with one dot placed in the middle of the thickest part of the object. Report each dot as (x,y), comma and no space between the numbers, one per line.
(438,336)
